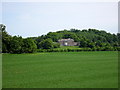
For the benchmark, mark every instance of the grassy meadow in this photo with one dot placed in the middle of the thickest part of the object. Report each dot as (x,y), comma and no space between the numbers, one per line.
(97,69)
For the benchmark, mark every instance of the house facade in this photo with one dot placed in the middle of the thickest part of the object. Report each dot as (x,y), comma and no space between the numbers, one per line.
(67,42)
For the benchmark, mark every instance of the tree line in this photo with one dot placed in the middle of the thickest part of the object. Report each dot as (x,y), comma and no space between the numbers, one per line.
(94,39)
(16,44)
(89,39)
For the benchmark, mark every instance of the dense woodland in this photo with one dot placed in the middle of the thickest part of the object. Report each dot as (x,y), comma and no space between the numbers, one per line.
(89,39)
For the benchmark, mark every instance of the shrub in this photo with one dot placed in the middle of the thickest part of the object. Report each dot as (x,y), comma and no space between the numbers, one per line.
(56,45)
(46,44)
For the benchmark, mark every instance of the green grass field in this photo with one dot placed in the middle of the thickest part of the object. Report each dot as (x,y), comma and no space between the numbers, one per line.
(61,70)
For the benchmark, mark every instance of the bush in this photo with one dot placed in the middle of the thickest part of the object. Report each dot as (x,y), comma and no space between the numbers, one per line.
(79,49)
(56,45)
(29,46)
(46,44)
(118,48)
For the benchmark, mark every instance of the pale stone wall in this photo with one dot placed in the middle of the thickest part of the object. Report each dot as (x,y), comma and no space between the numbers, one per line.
(67,42)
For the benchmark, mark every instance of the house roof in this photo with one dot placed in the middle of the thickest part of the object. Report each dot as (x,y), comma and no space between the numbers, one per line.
(66,39)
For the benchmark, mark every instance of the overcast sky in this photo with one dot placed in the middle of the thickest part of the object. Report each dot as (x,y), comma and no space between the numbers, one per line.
(37,18)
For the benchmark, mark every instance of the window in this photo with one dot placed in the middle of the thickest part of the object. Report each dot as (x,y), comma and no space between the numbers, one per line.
(66,43)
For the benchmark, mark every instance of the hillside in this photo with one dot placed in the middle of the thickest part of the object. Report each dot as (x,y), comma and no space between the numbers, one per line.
(90,40)
(87,37)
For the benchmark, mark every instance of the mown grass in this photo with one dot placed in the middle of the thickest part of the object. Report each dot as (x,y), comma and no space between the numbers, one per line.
(61,70)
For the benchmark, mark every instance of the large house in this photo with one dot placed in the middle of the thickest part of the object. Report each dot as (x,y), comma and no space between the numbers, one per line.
(67,42)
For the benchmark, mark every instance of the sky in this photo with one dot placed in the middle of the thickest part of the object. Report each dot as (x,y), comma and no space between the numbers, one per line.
(29,19)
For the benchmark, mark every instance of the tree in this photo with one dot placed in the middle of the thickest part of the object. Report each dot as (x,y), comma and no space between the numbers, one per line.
(70,35)
(118,36)
(88,38)
(6,39)
(91,45)
(53,35)
(56,45)
(83,43)
(16,44)
(29,46)
(2,28)
(46,44)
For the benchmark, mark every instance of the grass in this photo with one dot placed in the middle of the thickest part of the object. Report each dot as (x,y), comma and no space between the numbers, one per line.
(61,70)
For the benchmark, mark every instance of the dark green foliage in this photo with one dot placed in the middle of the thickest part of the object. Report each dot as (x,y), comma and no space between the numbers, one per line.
(118,35)
(91,45)
(91,38)
(20,45)
(70,35)
(6,39)
(29,46)
(65,50)
(16,44)
(46,44)
(53,35)
(94,39)
(56,45)
(83,43)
